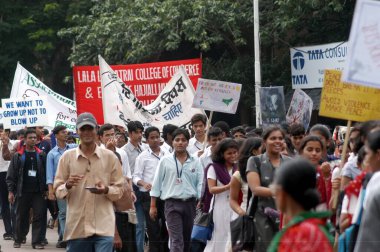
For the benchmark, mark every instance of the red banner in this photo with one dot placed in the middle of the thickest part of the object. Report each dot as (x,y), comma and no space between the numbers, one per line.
(145,80)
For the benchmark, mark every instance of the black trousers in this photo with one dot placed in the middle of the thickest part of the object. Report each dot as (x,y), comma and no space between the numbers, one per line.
(180,217)
(127,232)
(5,208)
(37,202)
(157,231)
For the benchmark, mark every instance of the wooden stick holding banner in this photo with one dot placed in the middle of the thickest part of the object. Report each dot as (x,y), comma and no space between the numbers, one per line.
(208,126)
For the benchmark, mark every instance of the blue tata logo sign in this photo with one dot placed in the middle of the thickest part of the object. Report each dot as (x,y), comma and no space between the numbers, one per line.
(298,61)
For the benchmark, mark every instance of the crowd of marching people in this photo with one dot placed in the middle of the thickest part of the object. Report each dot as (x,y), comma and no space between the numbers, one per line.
(281,188)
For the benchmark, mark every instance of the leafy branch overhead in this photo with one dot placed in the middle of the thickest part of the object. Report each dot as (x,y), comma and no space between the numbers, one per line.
(50,36)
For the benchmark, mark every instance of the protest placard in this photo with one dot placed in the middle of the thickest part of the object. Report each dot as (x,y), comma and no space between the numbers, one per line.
(217,96)
(24,112)
(348,101)
(363,61)
(146,81)
(300,109)
(272,103)
(62,111)
(121,106)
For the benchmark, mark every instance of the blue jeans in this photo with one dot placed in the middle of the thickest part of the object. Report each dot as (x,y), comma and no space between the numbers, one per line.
(140,227)
(61,216)
(91,244)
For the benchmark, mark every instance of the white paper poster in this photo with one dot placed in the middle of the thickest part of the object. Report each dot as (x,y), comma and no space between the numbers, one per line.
(300,109)
(29,112)
(363,62)
(217,96)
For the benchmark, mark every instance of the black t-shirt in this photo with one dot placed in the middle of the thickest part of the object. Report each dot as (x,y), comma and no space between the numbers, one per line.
(44,146)
(30,183)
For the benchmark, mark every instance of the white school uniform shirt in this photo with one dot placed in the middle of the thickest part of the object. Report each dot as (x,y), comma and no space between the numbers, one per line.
(194,146)
(205,158)
(166,148)
(124,161)
(132,153)
(146,166)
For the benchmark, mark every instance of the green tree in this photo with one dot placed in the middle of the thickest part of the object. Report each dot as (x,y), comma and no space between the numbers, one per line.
(40,35)
(143,31)
(28,34)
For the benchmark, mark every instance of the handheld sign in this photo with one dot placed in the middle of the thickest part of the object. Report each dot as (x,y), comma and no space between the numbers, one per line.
(348,101)
(217,96)
(62,111)
(300,109)
(28,112)
(272,106)
(363,61)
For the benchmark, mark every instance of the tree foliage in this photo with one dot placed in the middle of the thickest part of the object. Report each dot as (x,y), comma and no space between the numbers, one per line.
(28,34)
(140,31)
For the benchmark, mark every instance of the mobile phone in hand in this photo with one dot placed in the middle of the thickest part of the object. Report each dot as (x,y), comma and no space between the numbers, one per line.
(92,189)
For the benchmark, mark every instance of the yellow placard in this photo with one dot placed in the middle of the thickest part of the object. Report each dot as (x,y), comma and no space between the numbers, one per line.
(348,101)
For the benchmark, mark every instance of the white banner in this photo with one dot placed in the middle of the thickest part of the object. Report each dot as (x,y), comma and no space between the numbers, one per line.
(62,111)
(29,112)
(217,96)
(363,62)
(173,105)
(300,109)
(308,63)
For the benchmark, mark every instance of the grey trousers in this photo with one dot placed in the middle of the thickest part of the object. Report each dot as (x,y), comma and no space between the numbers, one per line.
(180,220)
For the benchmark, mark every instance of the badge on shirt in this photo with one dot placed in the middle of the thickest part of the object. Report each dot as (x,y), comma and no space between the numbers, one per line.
(32,173)
(178,181)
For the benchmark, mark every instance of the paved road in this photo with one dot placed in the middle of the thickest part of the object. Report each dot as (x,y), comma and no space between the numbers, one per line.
(7,246)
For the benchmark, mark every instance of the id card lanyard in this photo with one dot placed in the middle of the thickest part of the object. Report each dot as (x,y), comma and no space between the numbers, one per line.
(179,173)
(32,172)
(158,157)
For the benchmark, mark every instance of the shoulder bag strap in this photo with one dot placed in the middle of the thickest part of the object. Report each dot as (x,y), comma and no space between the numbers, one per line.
(253,206)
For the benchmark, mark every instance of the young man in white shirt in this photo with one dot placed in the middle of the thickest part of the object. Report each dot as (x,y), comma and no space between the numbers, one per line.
(145,169)
(214,136)
(133,149)
(167,132)
(198,124)
(107,138)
